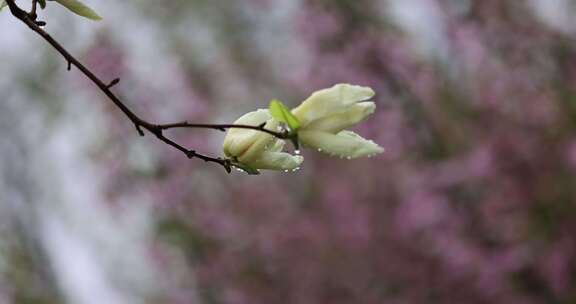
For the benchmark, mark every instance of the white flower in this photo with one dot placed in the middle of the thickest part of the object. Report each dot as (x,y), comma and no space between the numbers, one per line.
(257,149)
(326,114)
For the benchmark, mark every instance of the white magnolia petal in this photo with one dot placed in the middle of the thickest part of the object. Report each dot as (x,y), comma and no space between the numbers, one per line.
(246,144)
(328,101)
(262,141)
(342,120)
(344,144)
(253,118)
(277,161)
(277,146)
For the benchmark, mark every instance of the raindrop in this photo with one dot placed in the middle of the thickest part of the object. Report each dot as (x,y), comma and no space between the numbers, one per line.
(295,169)
(297,152)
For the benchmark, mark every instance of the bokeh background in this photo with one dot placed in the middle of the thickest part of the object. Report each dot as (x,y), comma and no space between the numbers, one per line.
(474,200)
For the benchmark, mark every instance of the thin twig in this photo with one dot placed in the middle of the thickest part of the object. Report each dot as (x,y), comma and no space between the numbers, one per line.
(157,129)
(33,10)
(223,127)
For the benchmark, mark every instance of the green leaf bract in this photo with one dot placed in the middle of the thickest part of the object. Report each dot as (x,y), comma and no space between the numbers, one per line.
(79,8)
(281,113)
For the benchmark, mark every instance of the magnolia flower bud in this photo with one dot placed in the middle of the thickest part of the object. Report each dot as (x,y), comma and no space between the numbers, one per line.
(326,114)
(257,149)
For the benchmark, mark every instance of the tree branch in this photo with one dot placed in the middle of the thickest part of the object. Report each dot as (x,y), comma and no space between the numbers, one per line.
(157,129)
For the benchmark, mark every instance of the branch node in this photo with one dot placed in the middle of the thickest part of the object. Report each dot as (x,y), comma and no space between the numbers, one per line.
(227,165)
(139,129)
(190,154)
(113,83)
(40,23)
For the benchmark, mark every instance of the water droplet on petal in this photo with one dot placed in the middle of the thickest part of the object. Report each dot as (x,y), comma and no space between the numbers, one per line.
(295,169)
(348,157)
(319,150)
(297,152)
